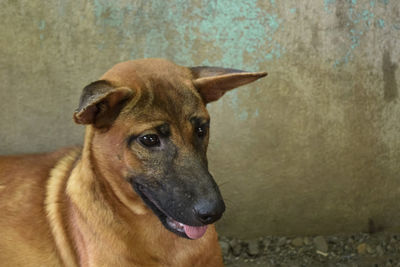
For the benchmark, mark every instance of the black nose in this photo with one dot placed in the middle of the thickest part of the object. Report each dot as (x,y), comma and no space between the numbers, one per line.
(209,212)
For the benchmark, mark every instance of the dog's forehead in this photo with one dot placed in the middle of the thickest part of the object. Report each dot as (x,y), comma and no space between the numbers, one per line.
(170,98)
(141,72)
(165,89)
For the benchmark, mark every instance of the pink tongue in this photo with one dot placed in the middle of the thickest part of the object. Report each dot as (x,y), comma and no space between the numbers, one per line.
(195,232)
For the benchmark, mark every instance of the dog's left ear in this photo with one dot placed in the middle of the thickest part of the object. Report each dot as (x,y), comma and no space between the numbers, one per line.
(214,82)
(100,103)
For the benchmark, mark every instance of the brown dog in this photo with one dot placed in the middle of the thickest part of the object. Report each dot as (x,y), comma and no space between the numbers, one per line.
(139,192)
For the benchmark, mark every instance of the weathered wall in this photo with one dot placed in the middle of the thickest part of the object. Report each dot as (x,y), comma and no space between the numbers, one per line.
(312,148)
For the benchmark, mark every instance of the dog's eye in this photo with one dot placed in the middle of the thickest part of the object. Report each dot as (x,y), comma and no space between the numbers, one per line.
(201,131)
(150,140)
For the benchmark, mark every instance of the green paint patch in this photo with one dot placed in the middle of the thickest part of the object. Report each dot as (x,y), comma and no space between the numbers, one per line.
(237,29)
(327,5)
(360,22)
(110,13)
(244,115)
(273,22)
(42,25)
(381,23)
(234,33)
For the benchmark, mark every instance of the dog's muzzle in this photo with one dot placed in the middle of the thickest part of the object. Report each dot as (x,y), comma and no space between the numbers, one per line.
(184,219)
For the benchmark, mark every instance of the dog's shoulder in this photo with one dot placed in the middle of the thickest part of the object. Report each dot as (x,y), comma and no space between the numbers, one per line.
(30,167)
(23,178)
(23,222)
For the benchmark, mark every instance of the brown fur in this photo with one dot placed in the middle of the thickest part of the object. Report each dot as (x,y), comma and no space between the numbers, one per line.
(75,207)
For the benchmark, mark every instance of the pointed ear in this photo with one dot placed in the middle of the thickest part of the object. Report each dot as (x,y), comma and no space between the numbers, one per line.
(214,82)
(100,103)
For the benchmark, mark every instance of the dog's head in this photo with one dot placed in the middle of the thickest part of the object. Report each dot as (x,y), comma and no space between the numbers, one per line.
(150,132)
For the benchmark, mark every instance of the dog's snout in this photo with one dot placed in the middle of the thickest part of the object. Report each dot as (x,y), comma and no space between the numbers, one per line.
(209,211)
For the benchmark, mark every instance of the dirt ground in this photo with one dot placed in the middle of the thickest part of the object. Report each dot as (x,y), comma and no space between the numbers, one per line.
(355,250)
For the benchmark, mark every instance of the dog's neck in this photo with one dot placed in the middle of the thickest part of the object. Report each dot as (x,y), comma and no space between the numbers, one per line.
(106,209)
(100,222)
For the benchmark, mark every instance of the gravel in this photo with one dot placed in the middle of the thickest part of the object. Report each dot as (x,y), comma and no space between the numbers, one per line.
(361,249)
(321,246)
(253,247)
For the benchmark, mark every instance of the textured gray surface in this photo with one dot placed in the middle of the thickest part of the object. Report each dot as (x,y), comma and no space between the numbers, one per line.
(355,249)
(314,148)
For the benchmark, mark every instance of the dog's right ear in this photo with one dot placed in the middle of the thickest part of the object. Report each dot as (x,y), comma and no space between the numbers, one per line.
(100,103)
(214,82)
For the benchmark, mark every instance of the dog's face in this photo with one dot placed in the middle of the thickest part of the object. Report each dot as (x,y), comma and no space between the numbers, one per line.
(152,128)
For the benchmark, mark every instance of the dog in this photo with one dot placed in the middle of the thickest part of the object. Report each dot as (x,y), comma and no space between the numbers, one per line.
(138,193)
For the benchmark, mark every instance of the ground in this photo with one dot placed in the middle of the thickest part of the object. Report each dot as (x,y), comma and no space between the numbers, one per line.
(360,249)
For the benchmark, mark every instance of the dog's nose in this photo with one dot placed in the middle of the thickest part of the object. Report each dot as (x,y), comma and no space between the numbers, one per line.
(209,212)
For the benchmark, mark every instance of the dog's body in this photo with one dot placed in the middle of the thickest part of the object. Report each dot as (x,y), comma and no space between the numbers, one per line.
(138,193)
(30,237)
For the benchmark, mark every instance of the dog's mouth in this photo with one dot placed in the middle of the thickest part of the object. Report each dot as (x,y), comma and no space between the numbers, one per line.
(183,230)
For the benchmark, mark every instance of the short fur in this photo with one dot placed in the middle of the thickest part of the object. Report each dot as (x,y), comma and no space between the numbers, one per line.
(79,207)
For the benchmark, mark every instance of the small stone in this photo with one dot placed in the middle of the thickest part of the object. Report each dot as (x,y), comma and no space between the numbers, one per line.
(307,241)
(291,264)
(379,250)
(224,247)
(266,242)
(223,238)
(320,244)
(362,248)
(370,250)
(281,241)
(253,248)
(297,242)
(236,247)
(322,253)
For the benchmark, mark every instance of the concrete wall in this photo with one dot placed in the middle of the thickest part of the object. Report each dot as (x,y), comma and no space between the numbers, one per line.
(313,148)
